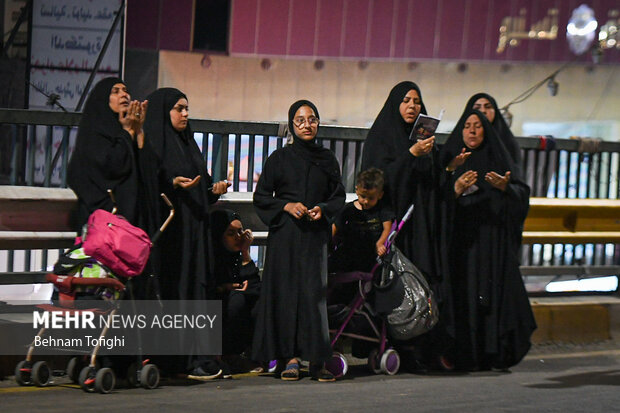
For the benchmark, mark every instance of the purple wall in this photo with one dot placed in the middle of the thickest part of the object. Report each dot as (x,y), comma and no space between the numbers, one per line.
(384,29)
(364,29)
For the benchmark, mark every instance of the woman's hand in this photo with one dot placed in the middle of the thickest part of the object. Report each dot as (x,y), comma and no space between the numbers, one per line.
(234,286)
(296,209)
(464,182)
(132,120)
(498,181)
(185,183)
(221,187)
(422,147)
(315,213)
(458,160)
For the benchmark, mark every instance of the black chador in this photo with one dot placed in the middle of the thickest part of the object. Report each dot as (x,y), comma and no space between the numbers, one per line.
(493,317)
(105,157)
(292,312)
(184,248)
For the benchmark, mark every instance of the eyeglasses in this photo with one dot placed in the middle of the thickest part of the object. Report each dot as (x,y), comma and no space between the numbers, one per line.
(301,122)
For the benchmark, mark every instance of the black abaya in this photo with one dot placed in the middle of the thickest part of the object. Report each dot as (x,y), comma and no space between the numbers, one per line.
(419,181)
(104,158)
(292,312)
(494,320)
(184,249)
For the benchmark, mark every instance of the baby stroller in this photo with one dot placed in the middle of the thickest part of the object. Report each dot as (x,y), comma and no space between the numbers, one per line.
(78,274)
(393,299)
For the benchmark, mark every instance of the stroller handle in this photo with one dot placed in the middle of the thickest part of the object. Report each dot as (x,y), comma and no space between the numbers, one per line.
(166,222)
(397,227)
(114,209)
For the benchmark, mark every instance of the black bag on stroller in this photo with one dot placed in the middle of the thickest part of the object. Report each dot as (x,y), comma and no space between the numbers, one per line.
(404,291)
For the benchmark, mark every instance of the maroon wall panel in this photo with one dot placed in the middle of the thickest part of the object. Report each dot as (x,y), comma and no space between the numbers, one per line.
(402,9)
(355,28)
(381,29)
(330,27)
(303,28)
(476,31)
(422,32)
(273,25)
(243,19)
(450,42)
(382,23)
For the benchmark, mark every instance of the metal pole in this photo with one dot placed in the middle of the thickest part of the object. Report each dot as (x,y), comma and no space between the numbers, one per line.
(93,72)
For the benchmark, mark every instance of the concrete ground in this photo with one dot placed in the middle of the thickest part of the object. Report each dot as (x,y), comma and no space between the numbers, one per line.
(552,378)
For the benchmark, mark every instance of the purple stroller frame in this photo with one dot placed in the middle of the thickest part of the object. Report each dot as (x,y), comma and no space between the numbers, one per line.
(360,298)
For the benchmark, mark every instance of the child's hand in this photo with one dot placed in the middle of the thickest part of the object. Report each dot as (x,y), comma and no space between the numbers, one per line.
(381,250)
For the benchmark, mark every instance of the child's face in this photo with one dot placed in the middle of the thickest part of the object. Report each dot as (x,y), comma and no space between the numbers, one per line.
(368,198)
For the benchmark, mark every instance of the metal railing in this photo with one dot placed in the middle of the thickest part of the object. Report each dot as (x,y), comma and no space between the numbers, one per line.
(34,150)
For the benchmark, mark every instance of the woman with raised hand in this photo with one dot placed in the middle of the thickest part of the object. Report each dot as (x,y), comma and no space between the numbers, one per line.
(298,193)
(110,135)
(489,201)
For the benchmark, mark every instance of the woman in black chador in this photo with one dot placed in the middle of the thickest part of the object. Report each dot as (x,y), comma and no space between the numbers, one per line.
(413,175)
(110,136)
(490,201)
(182,253)
(183,177)
(487,105)
(299,191)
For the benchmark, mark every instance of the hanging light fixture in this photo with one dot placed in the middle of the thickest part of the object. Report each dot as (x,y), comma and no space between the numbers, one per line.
(580,31)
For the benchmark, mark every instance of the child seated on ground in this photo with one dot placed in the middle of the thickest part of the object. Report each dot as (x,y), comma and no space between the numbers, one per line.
(362,226)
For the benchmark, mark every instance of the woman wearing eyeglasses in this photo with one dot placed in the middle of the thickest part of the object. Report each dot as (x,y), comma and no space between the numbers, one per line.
(413,176)
(299,190)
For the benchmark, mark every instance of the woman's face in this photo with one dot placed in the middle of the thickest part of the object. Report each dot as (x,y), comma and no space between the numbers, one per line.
(486,107)
(232,236)
(473,132)
(179,115)
(306,123)
(410,106)
(119,98)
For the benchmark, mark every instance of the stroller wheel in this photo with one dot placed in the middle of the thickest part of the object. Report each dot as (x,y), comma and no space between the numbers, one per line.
(132,375)
(73,369)
(23,374)
(105,380)
(149,376)
(390,362)
(87,379)
(273,366)
(337,365)
(41,374)
(373,362)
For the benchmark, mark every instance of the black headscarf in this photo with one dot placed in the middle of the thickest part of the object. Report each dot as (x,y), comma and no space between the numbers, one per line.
(311,150)
(104,157)
(177,152)
(390,125)
(227,263)
(491,155)
(501,129)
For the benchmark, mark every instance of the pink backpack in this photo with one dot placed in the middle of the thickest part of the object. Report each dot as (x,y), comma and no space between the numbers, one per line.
(114,242)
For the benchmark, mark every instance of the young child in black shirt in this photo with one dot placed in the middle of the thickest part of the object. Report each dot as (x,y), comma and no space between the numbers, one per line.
(362,226)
